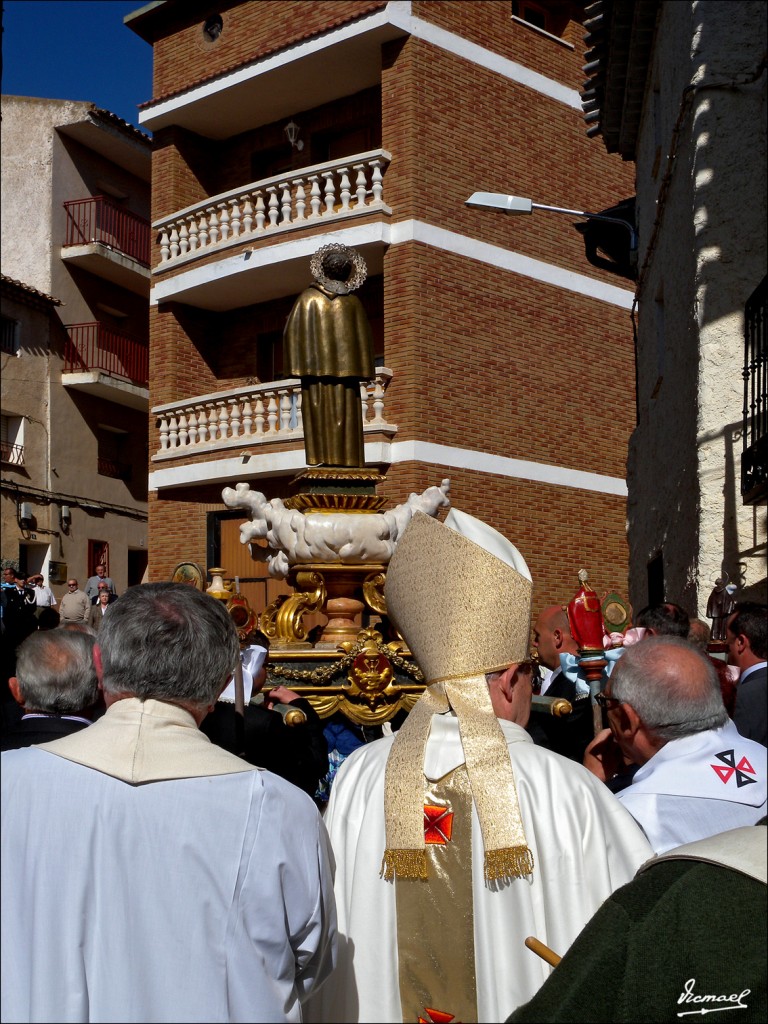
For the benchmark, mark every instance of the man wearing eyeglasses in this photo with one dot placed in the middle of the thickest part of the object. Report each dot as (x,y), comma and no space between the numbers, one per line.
(74,606)
(698,776)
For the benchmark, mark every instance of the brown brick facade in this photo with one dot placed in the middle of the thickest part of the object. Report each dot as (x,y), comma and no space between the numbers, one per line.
(484,359)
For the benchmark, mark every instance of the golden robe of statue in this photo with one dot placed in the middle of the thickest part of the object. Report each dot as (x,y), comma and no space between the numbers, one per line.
(328,344)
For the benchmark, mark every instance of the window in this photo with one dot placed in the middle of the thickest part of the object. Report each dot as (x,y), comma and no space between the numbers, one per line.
(10,336)
(12,440)
(552,18)
(112,458)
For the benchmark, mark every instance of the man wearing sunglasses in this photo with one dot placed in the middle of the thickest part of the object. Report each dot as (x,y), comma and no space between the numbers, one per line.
(697,775)
(74,606)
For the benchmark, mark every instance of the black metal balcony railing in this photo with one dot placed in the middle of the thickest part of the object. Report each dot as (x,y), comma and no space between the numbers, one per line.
(98,220)
(12,453)
(754,458)
(94,346)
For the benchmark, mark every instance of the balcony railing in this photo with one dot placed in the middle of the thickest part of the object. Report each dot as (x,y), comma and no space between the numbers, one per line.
(98,220)
(754,458)
(94,346)
(113,468)
(317,194)
(12,453)
(259,414)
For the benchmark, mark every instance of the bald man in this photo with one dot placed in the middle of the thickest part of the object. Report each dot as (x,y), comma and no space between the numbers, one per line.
(569,735)
(697,775)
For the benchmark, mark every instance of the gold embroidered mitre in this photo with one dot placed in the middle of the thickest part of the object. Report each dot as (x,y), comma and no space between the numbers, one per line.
(460,594)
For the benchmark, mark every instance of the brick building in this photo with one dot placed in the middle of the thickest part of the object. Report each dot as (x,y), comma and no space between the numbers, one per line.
(75,293)
(504,359)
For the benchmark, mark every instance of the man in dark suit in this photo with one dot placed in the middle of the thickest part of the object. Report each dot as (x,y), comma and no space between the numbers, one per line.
(55,685)
(263,736)
(747,638)
(570,734)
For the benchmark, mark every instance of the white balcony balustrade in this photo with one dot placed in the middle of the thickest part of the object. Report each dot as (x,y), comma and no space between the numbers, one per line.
(259,414)
(324,192)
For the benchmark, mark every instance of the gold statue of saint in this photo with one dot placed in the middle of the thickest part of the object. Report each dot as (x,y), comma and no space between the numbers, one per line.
(328,344)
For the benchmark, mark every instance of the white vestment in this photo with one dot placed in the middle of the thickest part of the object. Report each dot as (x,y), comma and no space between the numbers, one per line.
(698,786)
(584,846)
(129,895)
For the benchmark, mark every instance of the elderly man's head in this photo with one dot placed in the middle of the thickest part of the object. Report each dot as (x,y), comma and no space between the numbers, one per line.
(662,689)
(55,673)
(101,570)
(168,642)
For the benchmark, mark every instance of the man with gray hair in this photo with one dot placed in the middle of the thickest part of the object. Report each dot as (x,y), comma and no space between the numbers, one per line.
(55,685)
(148,874)
(698,776)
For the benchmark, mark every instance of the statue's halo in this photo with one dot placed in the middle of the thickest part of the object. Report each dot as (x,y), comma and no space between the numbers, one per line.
(357,275)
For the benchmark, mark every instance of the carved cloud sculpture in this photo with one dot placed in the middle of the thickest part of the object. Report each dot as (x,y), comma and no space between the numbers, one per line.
(335,537)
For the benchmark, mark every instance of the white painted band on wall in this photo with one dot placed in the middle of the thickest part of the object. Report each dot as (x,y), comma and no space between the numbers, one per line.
(384,452)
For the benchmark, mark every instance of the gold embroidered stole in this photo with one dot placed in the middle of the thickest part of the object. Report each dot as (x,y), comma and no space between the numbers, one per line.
(435,921)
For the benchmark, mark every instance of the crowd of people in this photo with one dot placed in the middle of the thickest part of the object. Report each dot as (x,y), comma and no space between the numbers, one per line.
(157,867)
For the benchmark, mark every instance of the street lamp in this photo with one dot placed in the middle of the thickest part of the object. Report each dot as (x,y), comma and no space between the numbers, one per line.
(517,204)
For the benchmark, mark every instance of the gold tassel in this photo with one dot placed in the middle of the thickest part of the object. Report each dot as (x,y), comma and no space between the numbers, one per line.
(404,864)
(514,862)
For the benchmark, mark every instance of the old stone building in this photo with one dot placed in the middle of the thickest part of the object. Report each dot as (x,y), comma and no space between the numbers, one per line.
(75,257)
(680,90)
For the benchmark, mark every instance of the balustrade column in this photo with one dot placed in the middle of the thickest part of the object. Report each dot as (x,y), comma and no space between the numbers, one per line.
(300,198)
(345,192)
(234,418)
(163,434)
(285,202)
(260,215)
(361,185)
(193,239)
(314,200)
(247,215)
(224,221)
(378,401)
(235,217)
(272,412)
(192,427)
(213,225)
(247,418)
(285,410)
(330,192)
(259,416)
(274,206)
(203,231)
(202,424)
(378,181)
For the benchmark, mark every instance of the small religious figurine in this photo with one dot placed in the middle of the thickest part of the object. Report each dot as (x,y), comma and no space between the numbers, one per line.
(585,617)
(328,344)
(720,605)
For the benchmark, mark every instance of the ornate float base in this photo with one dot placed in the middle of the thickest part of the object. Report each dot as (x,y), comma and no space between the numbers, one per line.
(336,489)
(340,592)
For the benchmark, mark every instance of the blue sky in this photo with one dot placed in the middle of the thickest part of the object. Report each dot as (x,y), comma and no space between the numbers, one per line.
(75,50)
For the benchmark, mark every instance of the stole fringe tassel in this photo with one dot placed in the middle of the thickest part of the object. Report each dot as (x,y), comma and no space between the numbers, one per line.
(513,862)
(404,864)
